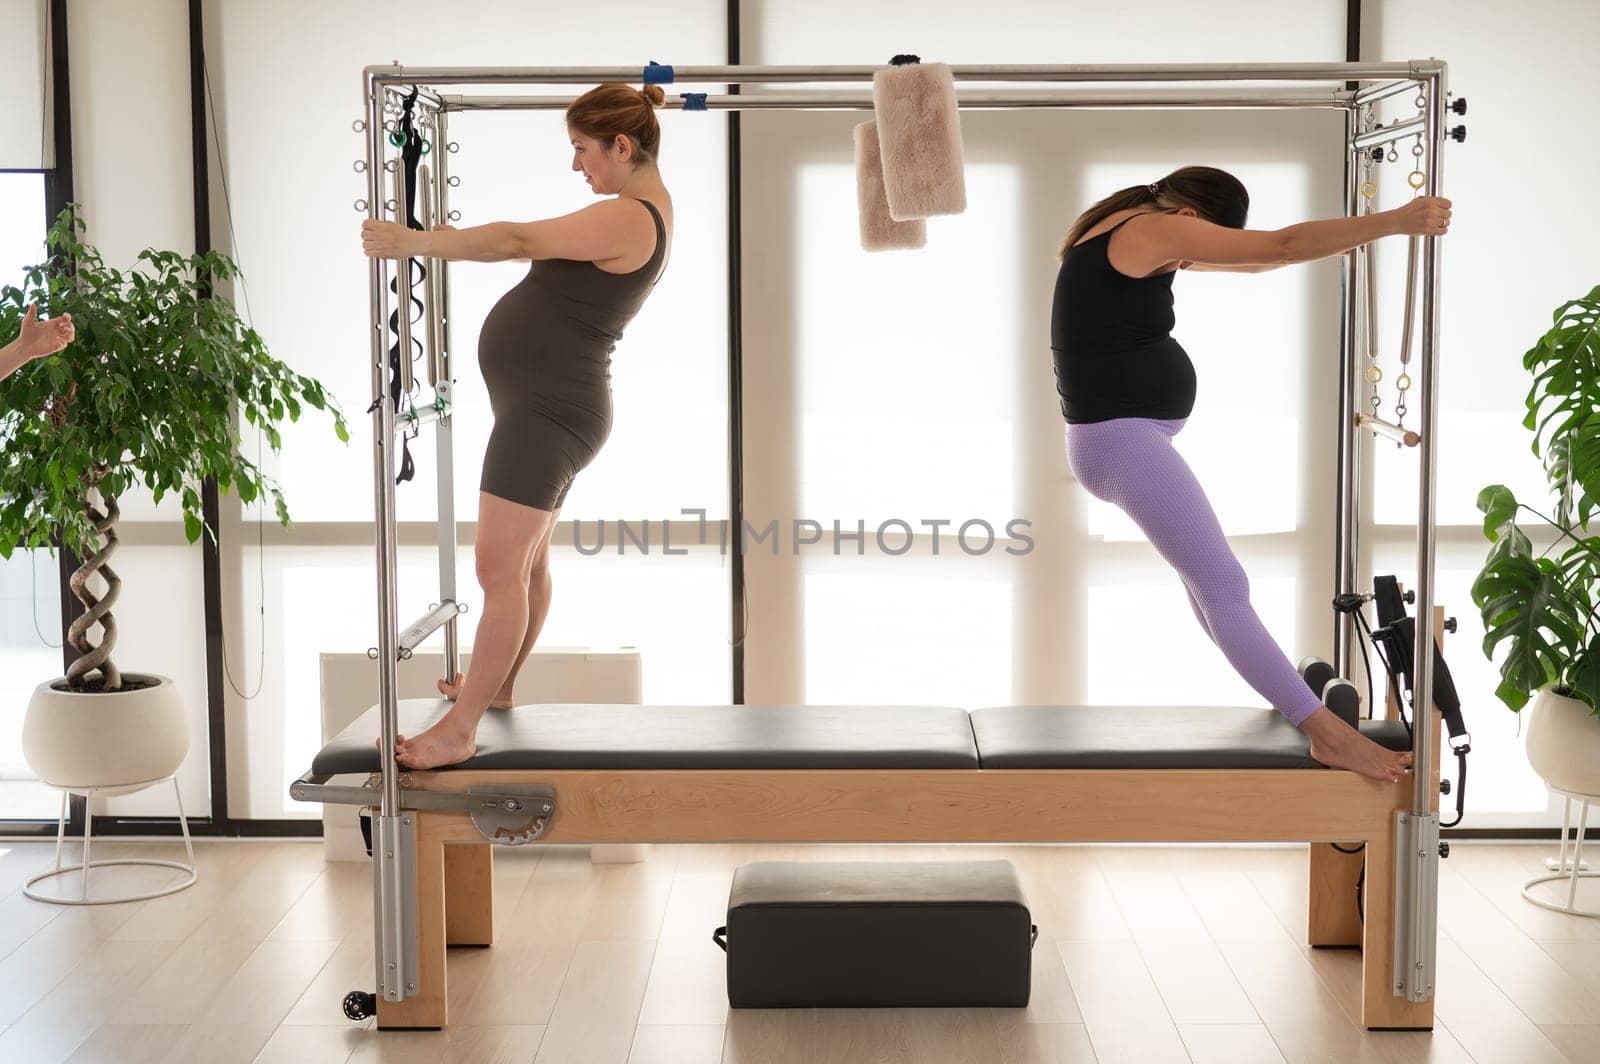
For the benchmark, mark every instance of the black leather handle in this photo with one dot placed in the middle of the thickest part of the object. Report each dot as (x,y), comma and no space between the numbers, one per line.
(720,937)
(1033,936)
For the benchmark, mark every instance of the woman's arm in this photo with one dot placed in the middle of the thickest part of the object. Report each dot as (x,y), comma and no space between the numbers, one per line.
(597,233)
(12,358)
(35,339)
(1157,239)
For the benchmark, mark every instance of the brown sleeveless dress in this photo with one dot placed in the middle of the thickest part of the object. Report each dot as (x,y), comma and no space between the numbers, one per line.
(545,353)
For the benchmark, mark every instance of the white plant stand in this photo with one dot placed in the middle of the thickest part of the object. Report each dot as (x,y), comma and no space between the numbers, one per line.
(1572,870)
(83,898)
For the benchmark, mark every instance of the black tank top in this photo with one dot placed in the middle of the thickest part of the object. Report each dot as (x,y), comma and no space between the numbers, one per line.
(1112,339)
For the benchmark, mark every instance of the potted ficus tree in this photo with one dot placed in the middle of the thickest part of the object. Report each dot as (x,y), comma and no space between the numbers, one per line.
(146,394)
(1543,606)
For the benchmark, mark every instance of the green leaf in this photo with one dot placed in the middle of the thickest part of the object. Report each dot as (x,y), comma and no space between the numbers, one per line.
(192,526)
(1499,507)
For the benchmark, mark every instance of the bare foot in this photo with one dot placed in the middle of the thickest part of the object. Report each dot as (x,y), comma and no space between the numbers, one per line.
(442,744)
(452,691)
(1337,745)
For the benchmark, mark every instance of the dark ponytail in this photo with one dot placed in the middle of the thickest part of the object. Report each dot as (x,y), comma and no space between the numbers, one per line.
(1215,195)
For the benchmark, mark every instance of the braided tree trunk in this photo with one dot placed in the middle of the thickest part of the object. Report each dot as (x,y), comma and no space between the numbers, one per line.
(97,610)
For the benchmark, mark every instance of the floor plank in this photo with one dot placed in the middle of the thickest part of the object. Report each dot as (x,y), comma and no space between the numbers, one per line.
(1581,1044)
(1229,1044)
(677,1044)
(1121,1006)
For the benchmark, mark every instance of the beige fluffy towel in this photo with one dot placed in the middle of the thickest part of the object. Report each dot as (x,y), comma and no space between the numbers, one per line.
(880,232)
(919,126)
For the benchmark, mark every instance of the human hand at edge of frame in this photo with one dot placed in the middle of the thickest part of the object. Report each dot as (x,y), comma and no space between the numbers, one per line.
(39,339)
(1423,216)
(442,228)
(387,240)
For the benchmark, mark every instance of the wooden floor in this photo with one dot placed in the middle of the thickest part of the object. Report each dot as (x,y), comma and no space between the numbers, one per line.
(1145,955)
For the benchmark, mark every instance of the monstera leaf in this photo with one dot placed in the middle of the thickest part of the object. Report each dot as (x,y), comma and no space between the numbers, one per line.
(1532,604)
(1564,405)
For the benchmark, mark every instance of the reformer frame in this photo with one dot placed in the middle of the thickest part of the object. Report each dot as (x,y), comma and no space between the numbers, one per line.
(416,816)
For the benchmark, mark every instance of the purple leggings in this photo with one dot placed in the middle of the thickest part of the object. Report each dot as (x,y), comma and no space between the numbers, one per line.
(1131,463)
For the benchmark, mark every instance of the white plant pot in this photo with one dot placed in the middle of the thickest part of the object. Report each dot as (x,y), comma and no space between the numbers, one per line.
(1564,743)
(116,741)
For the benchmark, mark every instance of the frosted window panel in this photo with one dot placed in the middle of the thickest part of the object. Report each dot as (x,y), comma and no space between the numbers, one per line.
(309,296)
(909,360)
(323,600)
(22,226)
(1130,666)
(873,638)
(1491,317)
(161,630)
(1250,337)
(1476,449)
(1505,790)
(30,621)
(1063,31)
(24,68)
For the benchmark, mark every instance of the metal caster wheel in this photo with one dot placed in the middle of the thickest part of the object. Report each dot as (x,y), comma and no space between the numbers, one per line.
(360,1005)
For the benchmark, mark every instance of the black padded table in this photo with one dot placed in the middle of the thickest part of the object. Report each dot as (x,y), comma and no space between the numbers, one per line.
(595,736)
(579,736)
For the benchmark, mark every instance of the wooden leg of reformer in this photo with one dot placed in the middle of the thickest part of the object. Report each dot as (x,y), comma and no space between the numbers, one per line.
(1380,1008)
(469,894)
(426,1009)
(1334,918)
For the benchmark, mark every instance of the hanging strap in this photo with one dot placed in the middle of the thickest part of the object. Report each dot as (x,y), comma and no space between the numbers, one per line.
(412,148)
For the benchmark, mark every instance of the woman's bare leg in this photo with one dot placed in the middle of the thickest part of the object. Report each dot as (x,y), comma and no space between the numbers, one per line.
(507,535)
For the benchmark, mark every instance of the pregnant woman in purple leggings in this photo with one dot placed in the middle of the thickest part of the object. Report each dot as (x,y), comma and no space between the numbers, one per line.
(1127,387)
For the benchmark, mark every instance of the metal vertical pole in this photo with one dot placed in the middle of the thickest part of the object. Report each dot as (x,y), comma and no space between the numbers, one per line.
(1428,380)
(388,890)
(1418,831)
(444,390)
(1348,473)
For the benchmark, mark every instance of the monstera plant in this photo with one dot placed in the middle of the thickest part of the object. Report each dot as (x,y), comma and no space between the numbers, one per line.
(146,394)
(1543,606)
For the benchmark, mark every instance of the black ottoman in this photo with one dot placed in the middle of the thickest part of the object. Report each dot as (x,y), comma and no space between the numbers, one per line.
(868,934)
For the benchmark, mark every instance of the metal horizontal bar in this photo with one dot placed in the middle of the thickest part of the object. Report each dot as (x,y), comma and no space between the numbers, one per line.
(426,625)
(979,99)
(1382,92)
(736,75)
(424,415)
(313,787)
(1409,128)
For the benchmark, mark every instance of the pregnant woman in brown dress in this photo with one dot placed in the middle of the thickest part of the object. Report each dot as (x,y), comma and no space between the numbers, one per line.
(545,352)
